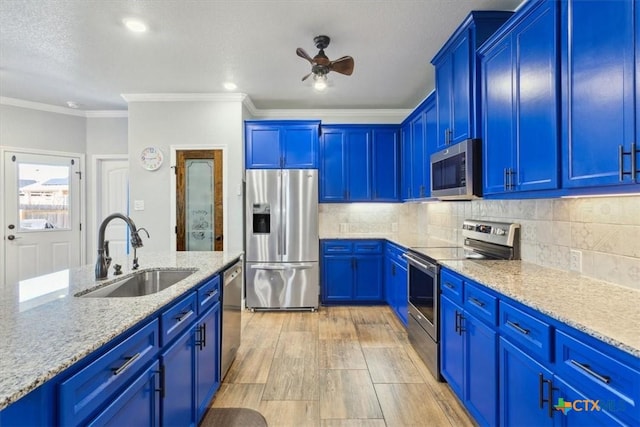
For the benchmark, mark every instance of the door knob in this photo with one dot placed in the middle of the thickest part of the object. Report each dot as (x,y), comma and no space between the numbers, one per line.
(12,237)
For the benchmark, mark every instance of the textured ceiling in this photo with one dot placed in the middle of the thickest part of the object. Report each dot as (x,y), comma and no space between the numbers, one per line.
(53,51)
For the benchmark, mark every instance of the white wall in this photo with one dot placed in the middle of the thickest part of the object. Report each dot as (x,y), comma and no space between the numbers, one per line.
(42,130)
(104,136)
(188,123)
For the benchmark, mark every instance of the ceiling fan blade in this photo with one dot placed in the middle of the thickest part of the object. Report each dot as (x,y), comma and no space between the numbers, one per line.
(306,77)
(303,54)
(342,65)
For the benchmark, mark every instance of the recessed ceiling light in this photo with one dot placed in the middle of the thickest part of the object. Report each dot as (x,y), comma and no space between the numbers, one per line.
(230,86)
(72,104)
(135,25)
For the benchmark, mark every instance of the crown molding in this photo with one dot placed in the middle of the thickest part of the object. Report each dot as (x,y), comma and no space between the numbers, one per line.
(356,113)
(183,97)
(102,114)
(40,106)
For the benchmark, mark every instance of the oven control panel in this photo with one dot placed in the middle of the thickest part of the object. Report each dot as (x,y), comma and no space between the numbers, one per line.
(484,228)
(500,233)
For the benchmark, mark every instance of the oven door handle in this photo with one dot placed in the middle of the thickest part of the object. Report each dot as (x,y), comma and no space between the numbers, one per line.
(413,260)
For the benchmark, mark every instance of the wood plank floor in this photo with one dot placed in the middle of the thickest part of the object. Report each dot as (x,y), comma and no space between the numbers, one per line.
(337,367)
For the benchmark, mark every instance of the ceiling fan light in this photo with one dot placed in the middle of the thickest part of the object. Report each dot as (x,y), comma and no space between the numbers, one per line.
(320,82)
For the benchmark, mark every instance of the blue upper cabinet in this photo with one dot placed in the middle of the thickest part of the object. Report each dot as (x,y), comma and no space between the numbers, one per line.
(598,114)
(457,97)
(289,144)
(359,163)
(386,163)
(419,141)
(520,107)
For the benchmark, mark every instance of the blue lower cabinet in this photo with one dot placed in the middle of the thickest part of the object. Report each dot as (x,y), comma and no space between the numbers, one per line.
(207,358)
(469,355)
(400,292)
(137,405)
(526,389)
(178,365)
(352,271)
(451,346)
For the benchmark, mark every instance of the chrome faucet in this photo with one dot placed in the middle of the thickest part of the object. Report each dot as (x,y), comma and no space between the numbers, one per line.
(104,260)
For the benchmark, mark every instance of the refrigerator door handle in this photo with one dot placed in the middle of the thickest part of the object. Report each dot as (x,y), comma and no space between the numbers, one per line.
(267,267)
(285,200)
(279,228)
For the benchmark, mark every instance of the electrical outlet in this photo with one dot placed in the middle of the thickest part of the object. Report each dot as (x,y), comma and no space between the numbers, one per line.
(575,261)
(138,205)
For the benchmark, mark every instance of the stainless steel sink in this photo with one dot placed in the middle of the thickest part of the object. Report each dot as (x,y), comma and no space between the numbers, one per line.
(141,283)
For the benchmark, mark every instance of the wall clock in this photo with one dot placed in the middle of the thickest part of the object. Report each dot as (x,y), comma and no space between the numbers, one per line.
(151,158)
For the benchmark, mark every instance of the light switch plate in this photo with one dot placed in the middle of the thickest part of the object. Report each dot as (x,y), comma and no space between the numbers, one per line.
(138,205)
(575,261)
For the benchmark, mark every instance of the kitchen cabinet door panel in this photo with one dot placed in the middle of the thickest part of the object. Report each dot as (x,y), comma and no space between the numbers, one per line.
(598,66)
(521,388)
(368,279)
(444,73)
(407,160)
(359,165)
(178,364)
(536,163)
(418,156)
(300,147)
(461,89)
(263,147)
(333,182)
(386,164)
(207,358)
(451,346)
(498,109)
(337,272)
(481,370)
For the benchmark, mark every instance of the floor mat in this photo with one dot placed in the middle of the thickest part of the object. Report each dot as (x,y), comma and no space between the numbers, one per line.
(233,417)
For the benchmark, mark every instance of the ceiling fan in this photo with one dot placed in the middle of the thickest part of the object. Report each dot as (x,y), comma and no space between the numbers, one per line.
(321,65)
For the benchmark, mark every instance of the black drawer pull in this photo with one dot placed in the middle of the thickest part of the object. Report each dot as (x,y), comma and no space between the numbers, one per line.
(605,379)
(125,365)
(518,328)
(477,302)
(211,292)
(449,285)
(182,315)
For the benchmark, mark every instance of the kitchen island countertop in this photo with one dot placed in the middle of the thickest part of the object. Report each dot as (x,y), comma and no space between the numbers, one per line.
(45,328)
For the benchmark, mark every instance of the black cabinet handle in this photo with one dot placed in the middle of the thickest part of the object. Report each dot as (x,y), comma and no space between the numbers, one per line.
(449,285)
(476,301)
(550,388)
(182,315)
(518,328)
(457,324)
(586,368)
(211,292)
(162,382)
(125,365)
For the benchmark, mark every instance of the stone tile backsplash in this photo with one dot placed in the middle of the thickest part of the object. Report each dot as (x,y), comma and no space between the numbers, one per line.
(604,230)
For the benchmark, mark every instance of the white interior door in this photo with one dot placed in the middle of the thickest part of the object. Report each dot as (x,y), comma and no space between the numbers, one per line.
(113,196)
(42,214)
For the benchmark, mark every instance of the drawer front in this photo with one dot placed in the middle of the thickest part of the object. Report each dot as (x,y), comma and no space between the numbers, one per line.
(178,318)
(208,294)
(367,247)
(88,389)
(480,303)
(337,247)
(599,376)
(396,253)
(533,335)
(451,286)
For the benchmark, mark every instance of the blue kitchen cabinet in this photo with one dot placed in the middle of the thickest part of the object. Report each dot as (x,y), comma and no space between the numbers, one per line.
(207,358)
(359,163)
(418,144)
(137,405)
(526,389)
(456,68)
(395,283)
(178,367)
(289,144)
(451,346)
(352,271)
(386,164)
(520,102)
(599,91)
(405,146)
(469,348)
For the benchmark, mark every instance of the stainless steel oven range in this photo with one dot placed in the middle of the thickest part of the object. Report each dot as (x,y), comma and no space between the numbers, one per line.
(482,240)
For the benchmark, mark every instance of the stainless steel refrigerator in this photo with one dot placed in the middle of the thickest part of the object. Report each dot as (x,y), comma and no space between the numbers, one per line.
(282,268)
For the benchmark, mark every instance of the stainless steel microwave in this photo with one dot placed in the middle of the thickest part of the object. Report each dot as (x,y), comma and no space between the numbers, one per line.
(456,171)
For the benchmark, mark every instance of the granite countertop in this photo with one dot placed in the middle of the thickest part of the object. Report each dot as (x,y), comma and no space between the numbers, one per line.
(603,310)
(44,328)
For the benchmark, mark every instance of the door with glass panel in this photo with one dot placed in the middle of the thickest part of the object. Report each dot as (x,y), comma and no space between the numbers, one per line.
(42,214)
(199,200)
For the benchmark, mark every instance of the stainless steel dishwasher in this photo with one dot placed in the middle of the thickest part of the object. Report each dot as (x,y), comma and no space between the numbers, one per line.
(231,314)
